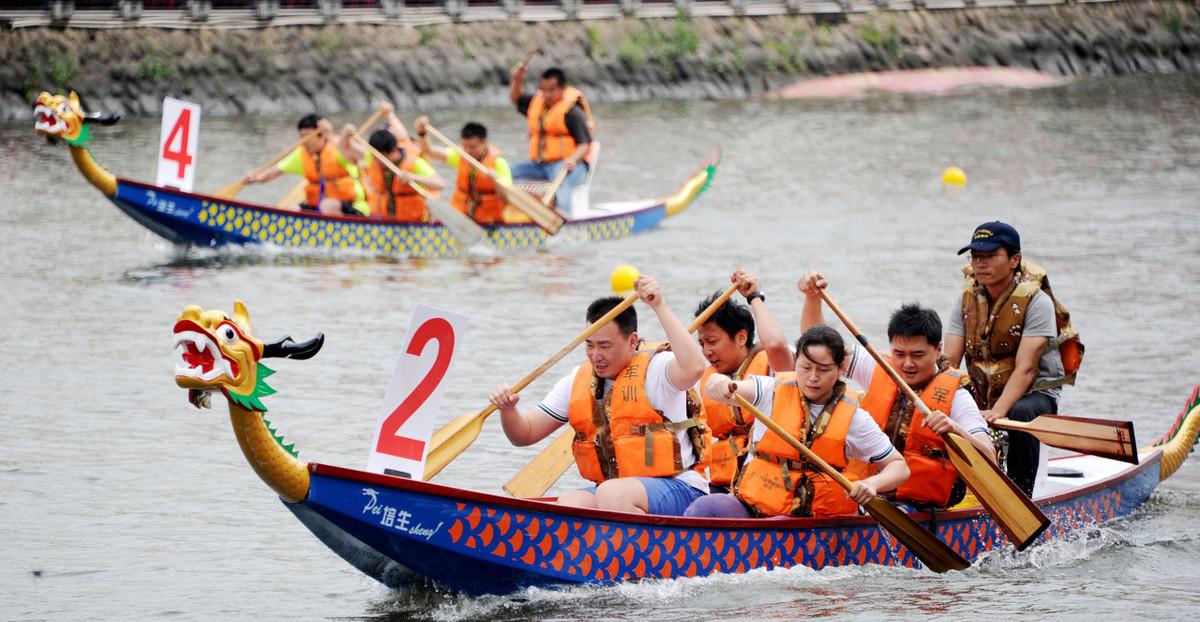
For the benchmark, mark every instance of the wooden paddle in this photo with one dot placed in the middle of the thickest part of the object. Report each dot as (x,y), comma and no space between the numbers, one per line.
(548,466)
(1106,438)
(454,437)
(558,180)
(1014,512)
(228,191)
(296,194)
(465,230)
(544,217)
(932,552)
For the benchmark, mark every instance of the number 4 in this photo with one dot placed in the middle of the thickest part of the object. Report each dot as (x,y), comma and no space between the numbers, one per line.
(181,130)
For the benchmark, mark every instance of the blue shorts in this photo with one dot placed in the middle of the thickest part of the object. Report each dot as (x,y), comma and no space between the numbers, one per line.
(667,496)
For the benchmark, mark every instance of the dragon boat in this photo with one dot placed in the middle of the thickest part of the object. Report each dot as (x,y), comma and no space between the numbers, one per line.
(404,532)
(191,219)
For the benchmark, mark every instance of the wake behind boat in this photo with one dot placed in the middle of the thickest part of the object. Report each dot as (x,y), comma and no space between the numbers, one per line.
(206,221)
(398,530)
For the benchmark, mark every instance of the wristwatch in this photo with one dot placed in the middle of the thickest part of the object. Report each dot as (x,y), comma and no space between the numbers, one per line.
(758,294)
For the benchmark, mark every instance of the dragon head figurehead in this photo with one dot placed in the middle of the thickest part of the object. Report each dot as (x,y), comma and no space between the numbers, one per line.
(221,353)
(59,116)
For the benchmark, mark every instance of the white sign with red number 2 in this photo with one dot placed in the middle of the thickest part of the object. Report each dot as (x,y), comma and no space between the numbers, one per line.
(178,143)
(410,407)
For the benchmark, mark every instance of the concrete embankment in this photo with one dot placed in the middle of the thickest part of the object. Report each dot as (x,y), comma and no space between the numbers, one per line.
(341,68)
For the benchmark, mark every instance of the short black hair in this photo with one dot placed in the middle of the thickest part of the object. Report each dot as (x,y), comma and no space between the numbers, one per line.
(729,317)
(913,320)
(822,335)
(383,141)
(308,122)
(474,130)
(556,74)
(626,320)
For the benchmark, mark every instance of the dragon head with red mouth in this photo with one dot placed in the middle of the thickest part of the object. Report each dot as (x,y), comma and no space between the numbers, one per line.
(59,116)
(220,353)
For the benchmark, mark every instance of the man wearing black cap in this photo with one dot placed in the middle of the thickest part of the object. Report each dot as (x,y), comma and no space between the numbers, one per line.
(1003,323)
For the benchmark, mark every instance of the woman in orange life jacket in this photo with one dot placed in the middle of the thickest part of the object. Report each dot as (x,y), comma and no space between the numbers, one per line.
(727,339)
(475,194)
(560,131)
(915,337)
(815,409)
(392,196)
(329,165)
(637,432)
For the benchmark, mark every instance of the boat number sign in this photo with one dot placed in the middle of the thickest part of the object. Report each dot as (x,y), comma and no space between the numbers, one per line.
(410,406)
(177,144)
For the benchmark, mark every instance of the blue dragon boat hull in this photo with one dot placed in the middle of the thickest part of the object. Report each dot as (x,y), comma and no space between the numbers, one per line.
(206,221)
(398,530)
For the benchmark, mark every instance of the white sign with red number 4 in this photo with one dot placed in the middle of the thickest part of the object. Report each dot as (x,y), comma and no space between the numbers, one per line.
(410,407)
(178,143)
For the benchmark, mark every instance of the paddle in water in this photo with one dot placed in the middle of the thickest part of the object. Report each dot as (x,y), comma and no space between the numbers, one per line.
(548,466)
(1016,514)
(932,552)
(454,437)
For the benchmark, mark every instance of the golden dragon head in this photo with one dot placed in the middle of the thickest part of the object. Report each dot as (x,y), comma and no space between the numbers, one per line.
(220,353)
(58,116)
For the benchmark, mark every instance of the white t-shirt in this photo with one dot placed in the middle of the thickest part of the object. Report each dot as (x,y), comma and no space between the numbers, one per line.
(963,409)
(663,395)
(864,441)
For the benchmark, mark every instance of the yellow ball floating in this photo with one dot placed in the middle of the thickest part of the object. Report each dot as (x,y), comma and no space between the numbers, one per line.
(623,277)
(954,176)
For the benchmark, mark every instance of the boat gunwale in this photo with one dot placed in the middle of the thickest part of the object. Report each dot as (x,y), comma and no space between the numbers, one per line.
(545,505)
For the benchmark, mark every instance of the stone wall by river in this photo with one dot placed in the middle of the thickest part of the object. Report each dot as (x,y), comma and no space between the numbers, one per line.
(349,67)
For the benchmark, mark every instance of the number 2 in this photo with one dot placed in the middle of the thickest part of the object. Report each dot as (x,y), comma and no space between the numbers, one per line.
(442,332)
(182,129)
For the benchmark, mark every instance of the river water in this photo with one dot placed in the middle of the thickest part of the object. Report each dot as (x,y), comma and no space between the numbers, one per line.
(117,500)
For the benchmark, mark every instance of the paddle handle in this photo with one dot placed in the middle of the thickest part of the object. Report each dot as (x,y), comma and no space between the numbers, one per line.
(418,188)
(281,155)
(809,455)
(712,308)
(462,153)
(887,367)
(548,363)
(558,181)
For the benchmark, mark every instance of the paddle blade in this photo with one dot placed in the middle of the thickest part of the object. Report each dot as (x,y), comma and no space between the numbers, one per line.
(228,191)
(451,440)
(466,231)
(543,471)
(546,218)
(1020,519)
(935,554)
(1106,438)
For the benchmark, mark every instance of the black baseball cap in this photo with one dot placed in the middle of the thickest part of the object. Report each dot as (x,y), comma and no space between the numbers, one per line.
(992,235)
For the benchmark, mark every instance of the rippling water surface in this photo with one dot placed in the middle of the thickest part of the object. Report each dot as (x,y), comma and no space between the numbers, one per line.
(117,500)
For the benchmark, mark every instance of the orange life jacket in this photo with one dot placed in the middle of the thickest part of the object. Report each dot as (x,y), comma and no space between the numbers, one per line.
(730,429)
(933,475)
(991,340)
(475,193)
(340,182)
(621,435)
(549,138)
(400,201)
(777,481)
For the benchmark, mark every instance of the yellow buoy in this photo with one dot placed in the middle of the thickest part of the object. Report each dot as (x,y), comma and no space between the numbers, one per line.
(623,278)
(954,176)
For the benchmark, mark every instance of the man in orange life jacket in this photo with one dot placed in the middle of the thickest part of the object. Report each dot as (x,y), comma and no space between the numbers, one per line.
(638,434)
(915,336)
(727,339)
(475,193)
(329,166)
(1003,322)
(392,197)
(816,408)
(560,132)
